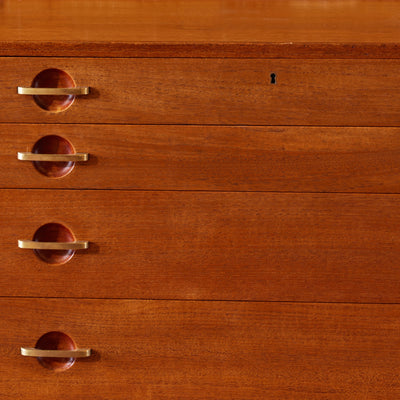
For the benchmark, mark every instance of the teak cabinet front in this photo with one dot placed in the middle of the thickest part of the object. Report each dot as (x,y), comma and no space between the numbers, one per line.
(236,200)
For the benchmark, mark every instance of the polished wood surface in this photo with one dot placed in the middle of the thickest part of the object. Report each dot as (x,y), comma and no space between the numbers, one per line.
(241,199)
(204,350)
(211,91)
(219,28)
(207,245)
(237,158)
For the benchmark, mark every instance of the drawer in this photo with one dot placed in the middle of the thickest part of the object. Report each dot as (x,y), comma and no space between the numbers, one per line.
(204,350)
(210,91)
(204,245)
(238,158)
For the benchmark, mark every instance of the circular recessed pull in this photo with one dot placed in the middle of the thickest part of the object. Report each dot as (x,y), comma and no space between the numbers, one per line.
(74,91)
(77,157)
(53,243)
(56,351)
(33,245)
(53,90)
(77,353)
(53,156)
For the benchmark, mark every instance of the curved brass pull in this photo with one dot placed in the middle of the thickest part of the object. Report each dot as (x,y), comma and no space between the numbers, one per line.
(77,353)
(32,245)
(27,156)
(76,91)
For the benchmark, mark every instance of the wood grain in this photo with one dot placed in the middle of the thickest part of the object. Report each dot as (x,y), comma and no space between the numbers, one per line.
(198,28)
(213,91)
(204,350)
(238,158)
(205,245)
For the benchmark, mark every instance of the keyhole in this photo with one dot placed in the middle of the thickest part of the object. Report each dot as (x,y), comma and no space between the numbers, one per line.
(273,79)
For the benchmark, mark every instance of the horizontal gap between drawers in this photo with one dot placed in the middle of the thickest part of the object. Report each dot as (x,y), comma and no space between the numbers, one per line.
(60,124)
(197,300)
(199,191)
(202,124)
(295,56)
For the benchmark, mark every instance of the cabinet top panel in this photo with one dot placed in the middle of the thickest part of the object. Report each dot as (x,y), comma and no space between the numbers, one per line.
(201,28)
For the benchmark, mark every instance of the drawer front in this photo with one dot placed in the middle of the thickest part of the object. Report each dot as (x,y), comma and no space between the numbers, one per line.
(204,350)
(203,245)
(212,91)
(312,159)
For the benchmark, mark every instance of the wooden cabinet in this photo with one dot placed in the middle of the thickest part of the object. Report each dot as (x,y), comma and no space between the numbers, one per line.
(199,200)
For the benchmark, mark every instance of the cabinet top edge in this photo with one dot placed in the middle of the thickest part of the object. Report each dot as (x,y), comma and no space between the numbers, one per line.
(201,28)
(199,50)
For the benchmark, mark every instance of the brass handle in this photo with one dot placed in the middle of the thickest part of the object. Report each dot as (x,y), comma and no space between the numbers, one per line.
(77,353)
(32,245)
(27,156)
(76,91)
